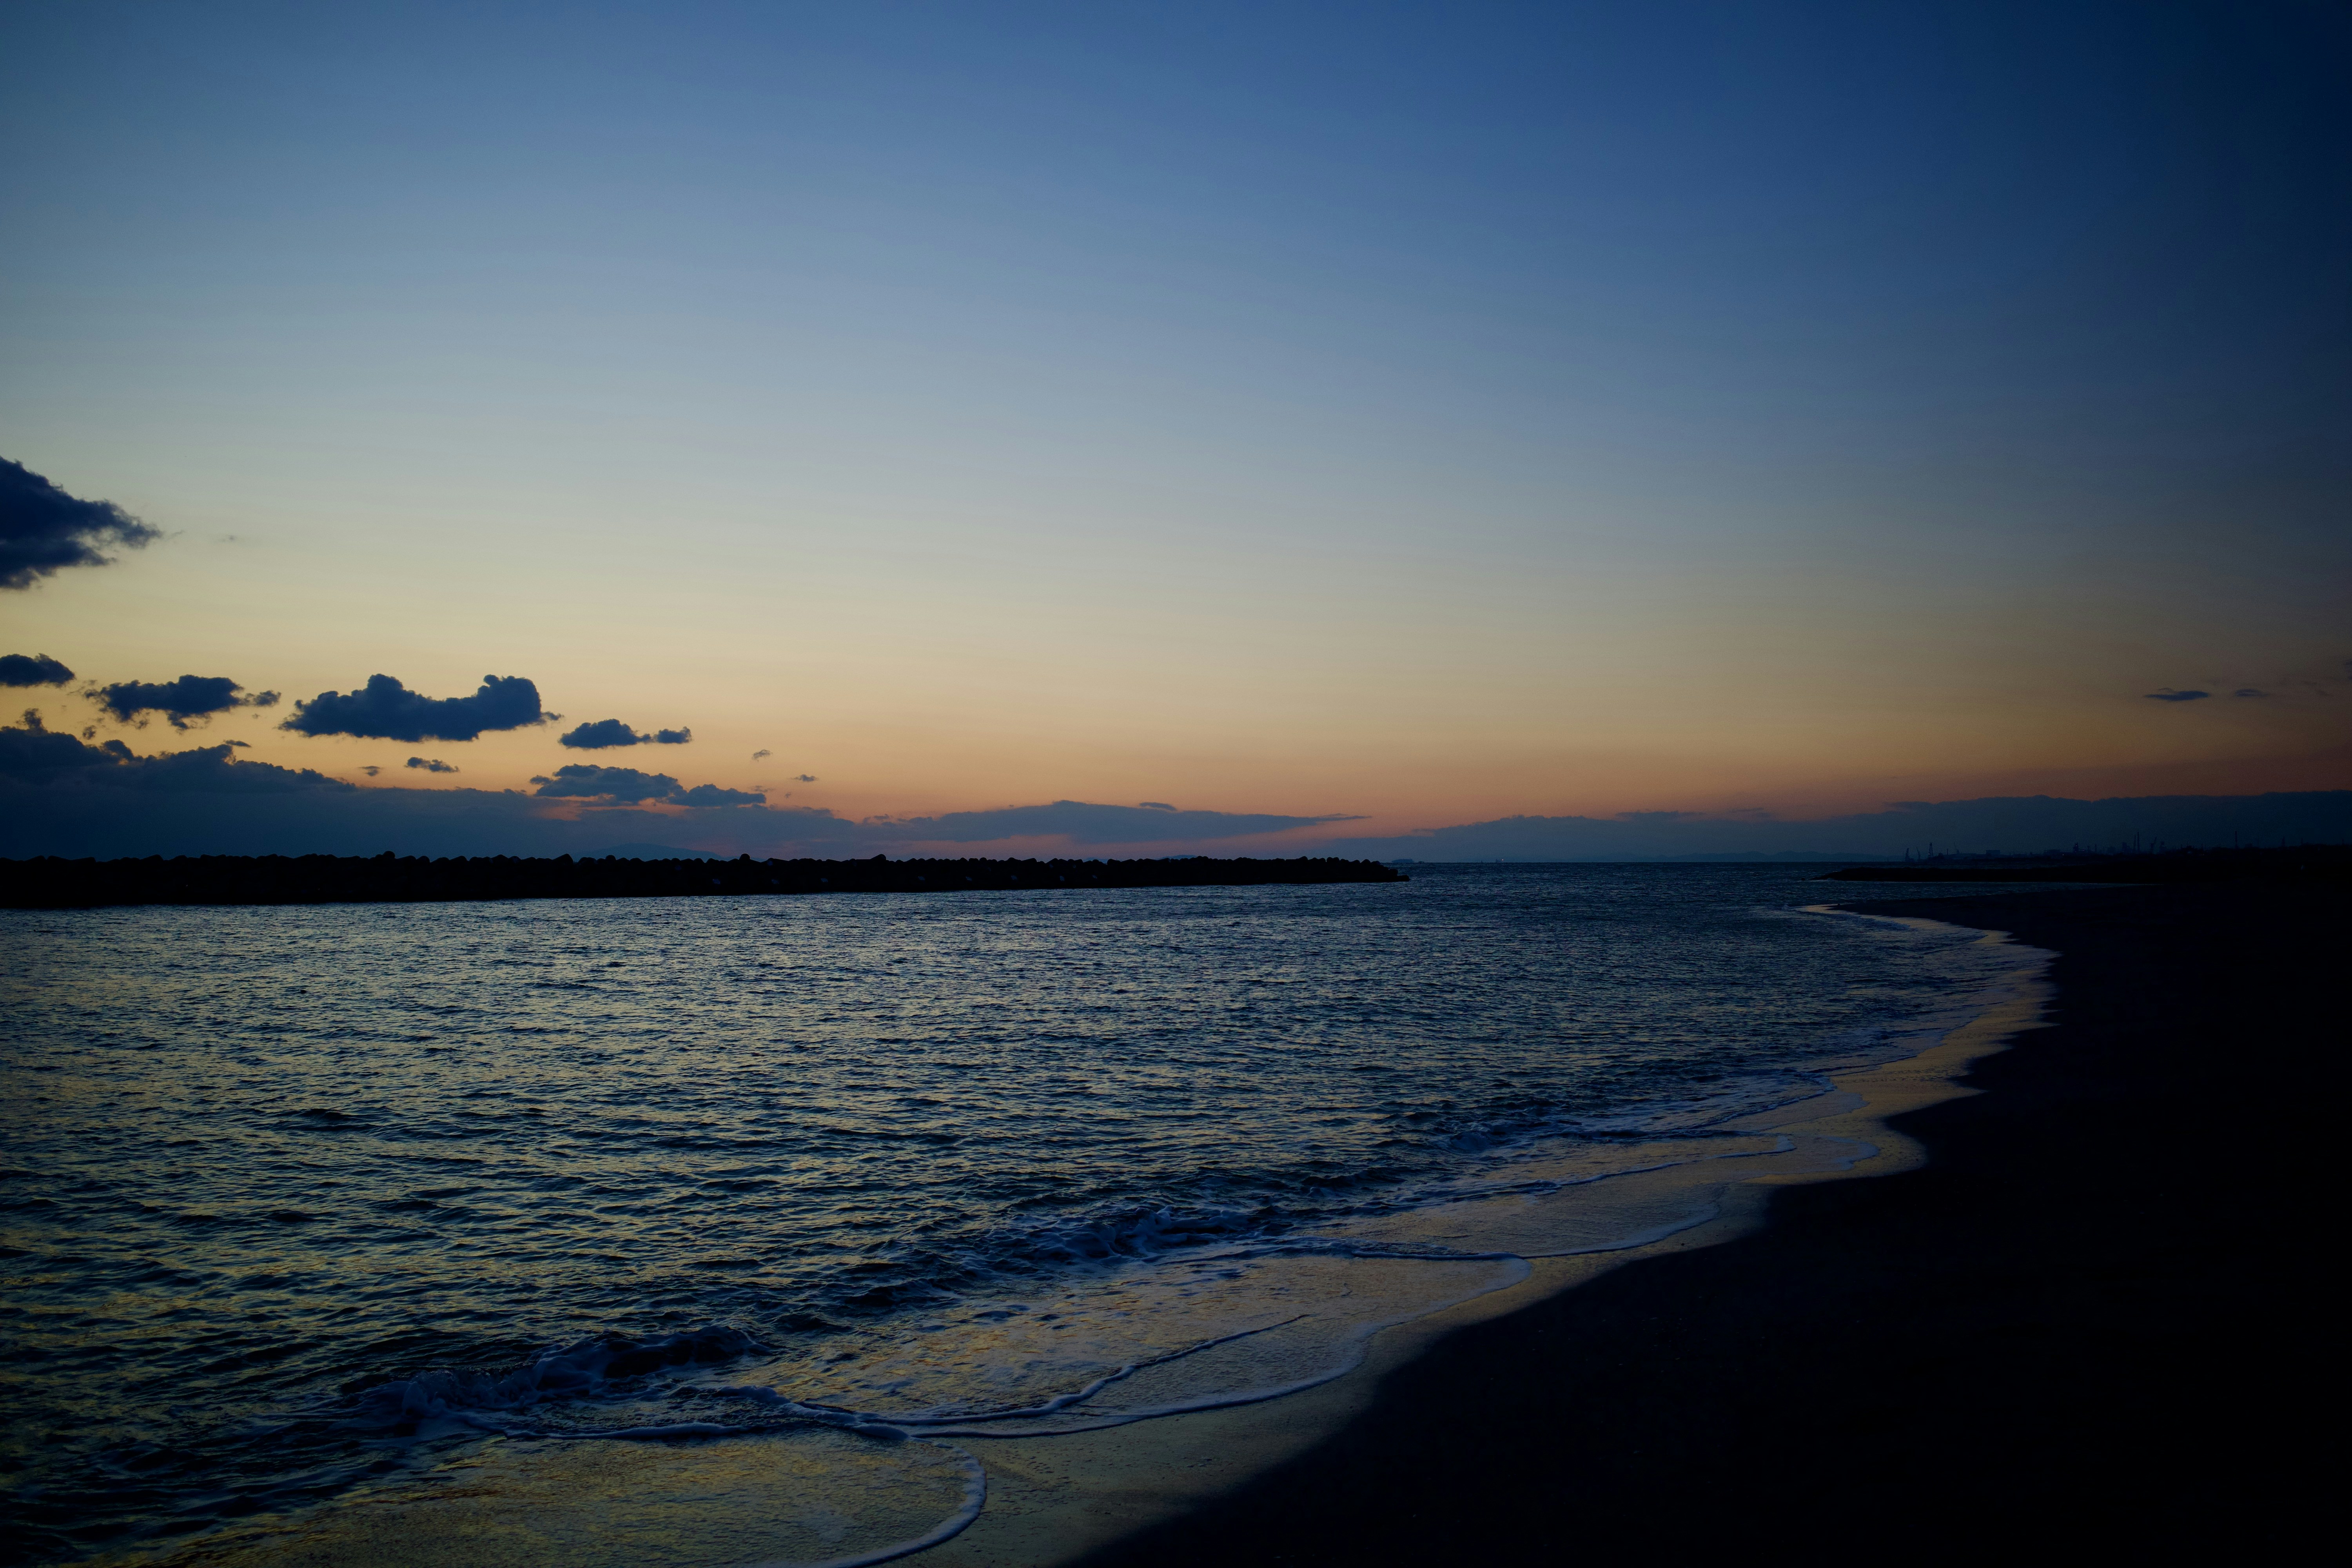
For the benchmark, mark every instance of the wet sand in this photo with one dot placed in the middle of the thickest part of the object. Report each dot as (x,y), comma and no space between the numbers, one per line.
(2073,1327)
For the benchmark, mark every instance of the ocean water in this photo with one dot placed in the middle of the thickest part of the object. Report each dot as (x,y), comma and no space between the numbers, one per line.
(304,1200)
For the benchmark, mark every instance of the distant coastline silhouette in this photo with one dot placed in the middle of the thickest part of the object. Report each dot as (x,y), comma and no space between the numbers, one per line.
(49,882)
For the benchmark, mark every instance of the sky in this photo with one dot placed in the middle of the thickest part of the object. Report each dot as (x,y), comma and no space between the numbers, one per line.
(1271,425)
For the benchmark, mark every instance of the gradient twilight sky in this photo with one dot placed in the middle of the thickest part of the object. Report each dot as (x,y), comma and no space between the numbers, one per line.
(1423,412)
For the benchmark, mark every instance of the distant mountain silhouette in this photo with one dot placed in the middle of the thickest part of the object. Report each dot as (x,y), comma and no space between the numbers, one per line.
(657,852)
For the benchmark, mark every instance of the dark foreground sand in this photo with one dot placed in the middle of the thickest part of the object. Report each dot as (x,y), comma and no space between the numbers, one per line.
(2085,1329)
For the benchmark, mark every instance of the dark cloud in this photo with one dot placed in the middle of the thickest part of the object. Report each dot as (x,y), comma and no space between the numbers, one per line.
(1154,805)
(2248,692)
(605,733)
(431,765)
(34,753)
(587,781)
(34,750)
(59,797)
(712,795)
(762,756)
(601,734)
(370,770)
(32,669)
(44,529)
(1654,815)
(190,697)
(384,710)
(803,778)
(2168,695)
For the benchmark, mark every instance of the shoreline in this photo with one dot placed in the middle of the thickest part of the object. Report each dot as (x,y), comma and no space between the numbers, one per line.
(2016,1326)
(1056,1499)
(1077,1499)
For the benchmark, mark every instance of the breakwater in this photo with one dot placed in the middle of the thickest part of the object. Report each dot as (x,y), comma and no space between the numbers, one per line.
(50,882)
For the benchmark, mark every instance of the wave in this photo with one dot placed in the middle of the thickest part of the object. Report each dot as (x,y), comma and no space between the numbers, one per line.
(598,1366)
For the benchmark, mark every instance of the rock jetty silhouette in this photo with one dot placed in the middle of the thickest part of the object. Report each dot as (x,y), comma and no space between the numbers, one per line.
(51,882)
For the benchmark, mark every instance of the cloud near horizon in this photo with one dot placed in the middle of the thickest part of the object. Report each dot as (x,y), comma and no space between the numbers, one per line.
(1082,822)
(43,530)
(189,697)
(32,754)
(384,710)
(608,732)
(61,796)
(587,781)
(32,669)
(2015,824)
(430,765)
(2168,695)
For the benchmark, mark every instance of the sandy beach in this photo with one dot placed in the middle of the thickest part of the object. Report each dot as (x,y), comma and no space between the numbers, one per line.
(2059,1332)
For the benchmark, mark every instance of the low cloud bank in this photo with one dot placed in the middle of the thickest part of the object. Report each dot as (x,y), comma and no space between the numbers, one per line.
(36,762)
(384,710)
(1082,824)
(61,796)
(2014,823)
(43,530)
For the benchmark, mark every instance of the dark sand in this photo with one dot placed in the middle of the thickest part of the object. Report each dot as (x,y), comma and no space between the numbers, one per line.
(2087,1327)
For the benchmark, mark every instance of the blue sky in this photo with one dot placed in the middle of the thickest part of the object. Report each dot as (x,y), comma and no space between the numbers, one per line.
(1420,413)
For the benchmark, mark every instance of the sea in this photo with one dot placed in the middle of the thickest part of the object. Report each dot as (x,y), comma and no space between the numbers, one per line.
(303,1203)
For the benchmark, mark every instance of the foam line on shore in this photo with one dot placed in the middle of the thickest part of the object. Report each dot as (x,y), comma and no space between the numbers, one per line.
(1080,1493)
(975,1499)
